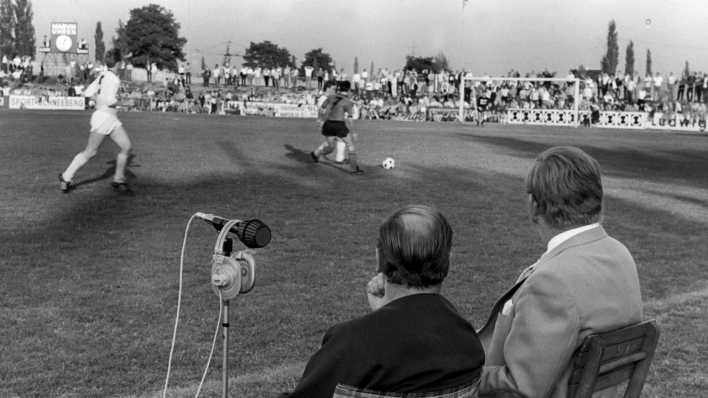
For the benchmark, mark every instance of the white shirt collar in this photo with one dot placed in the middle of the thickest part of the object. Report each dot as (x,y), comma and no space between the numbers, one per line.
(565,235)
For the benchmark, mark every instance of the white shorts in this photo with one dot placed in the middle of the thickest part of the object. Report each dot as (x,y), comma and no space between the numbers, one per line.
(104,121)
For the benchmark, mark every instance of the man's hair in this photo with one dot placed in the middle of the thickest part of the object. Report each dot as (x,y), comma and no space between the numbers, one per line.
(327,85)
(112,57)
(414,247)
(566,185)
(345,85)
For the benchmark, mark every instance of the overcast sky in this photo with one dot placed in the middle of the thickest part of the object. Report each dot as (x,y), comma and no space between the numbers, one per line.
(486,37)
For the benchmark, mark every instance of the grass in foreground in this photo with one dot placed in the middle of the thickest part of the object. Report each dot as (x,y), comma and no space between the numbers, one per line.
(88,281)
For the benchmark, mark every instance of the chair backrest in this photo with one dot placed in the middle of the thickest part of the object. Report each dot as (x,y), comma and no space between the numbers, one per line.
(345,391)
(611,358)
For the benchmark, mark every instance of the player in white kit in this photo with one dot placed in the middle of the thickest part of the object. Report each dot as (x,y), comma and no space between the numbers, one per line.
(104,122)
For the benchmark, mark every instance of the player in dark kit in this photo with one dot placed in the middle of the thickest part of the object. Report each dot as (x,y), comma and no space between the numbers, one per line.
(482,104)
(337,110)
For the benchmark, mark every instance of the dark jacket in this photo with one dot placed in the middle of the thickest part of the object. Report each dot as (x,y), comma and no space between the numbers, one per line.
(417,343)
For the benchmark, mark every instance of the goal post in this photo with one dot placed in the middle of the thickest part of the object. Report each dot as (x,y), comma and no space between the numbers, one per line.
(524,110)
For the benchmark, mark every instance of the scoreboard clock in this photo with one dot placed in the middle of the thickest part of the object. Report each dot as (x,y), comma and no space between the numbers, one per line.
(64,36)
(63,43)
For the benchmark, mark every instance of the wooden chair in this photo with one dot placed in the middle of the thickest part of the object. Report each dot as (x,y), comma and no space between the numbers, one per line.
(611,358)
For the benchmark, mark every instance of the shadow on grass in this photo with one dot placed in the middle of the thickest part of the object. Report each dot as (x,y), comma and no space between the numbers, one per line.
(297,154)
(660,164)
(95,317)
(110,171)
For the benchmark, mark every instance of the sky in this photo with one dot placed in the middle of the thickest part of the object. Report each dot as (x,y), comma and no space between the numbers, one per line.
(484,37)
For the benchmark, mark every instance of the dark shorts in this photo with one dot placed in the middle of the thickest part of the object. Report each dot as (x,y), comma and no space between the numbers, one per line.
(335,128)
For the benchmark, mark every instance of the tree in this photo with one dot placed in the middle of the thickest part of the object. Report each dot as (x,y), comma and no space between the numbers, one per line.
(100,46)
(24,29)
(356,65)
(629,59)
(441,62)
(435,64)
(152,36)
(266,55)
(611,58)
(7,28)
(317,58)
(605,64)
(648,69)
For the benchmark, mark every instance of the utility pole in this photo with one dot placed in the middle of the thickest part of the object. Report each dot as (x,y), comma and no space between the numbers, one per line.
(227,54)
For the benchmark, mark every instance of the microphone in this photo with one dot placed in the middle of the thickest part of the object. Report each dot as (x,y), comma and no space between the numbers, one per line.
(253,233)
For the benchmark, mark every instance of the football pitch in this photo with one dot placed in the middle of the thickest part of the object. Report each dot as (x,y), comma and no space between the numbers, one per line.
(89,280)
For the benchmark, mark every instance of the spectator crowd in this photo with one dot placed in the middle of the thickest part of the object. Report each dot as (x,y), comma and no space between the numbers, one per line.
(391,94)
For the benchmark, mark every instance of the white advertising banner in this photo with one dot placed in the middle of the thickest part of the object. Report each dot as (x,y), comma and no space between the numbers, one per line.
(43,102)
(274,109)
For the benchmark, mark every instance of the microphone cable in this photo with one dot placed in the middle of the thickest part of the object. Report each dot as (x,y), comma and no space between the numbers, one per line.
(213,344)
(179,302)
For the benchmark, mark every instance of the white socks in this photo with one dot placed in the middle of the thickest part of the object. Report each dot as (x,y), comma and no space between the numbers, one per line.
(121,161)
(79,160)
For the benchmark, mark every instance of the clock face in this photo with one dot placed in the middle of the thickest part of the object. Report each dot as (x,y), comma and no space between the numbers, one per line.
(63,43)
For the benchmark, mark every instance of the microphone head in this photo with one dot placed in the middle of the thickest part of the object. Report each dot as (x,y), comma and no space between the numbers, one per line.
(253,233)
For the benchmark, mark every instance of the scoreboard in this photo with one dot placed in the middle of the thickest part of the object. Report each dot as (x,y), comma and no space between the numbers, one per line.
(64,37)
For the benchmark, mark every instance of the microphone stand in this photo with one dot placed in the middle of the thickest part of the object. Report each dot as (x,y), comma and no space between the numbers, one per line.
(227,248)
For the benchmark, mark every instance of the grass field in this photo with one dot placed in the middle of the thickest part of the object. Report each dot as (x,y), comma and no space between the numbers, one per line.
(88,281)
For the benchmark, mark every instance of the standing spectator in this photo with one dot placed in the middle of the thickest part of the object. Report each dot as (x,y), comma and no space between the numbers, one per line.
(235,76)
(180,70)
(400,78)
(681,87)
(308,75)
(690,85)
(293,76)
(188,72)
(227,75)
(275,75)
(206,75)
(257,75)
(671,85)
(153,70)
(699,88)
(216,75)
(266,76)
(320,79)
(356,80)
(243,74)
(286,76)
(657,90)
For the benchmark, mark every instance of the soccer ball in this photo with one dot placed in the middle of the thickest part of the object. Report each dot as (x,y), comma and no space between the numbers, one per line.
(388,163)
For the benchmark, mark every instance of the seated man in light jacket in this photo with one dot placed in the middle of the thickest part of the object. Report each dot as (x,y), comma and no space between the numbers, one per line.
(585,282)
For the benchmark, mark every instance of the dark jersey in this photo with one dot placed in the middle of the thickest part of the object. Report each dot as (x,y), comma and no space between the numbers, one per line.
(482,103)
(336,106)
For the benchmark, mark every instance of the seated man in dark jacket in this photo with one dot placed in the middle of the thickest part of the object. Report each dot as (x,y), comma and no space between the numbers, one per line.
(414,340)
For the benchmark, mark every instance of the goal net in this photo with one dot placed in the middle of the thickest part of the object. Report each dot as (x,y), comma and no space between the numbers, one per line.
(520,100)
